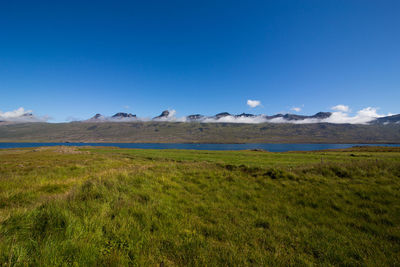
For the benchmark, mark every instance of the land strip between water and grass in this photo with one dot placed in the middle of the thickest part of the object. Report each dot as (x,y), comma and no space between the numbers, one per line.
(196,132)
(110,206)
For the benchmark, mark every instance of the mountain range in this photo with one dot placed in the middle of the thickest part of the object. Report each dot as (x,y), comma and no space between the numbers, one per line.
(225,117)
(196,128)
(198,117)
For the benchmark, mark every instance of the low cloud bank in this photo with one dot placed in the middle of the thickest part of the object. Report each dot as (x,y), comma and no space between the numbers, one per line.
(340,115)
(21,115)
(237,119)
(362,116)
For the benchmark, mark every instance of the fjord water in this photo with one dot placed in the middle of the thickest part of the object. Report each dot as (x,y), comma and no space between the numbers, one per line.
(268,147)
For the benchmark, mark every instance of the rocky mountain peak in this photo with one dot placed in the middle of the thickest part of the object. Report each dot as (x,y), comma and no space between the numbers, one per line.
(123,115)
(163,114)
(98,116)
(222,114)
(195,117)
(322,115)
(246,115)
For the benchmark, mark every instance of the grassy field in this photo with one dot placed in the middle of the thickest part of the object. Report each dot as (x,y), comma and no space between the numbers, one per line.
(108,206)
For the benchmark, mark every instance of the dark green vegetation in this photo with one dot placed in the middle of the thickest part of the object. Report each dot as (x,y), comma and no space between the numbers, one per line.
(107,206)
(179,132)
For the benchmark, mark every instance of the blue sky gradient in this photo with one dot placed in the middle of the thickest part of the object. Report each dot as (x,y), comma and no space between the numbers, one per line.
(71,59)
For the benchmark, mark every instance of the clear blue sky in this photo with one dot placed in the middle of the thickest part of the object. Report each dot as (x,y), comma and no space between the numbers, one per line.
(76,58)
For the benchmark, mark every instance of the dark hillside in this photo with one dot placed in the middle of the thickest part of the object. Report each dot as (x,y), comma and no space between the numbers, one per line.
(179,132)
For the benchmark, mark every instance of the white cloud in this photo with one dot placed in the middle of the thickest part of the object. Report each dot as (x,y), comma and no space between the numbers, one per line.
(14,113)
(253,103)
(21,115)
(236,119)
(283,120)
(172,113)
(296,109)
(342,108)
(362,116)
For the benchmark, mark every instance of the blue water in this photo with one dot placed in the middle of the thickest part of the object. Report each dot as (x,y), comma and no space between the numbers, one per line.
(269,147)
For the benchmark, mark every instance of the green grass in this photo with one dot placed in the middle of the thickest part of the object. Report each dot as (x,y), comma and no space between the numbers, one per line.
(107,206)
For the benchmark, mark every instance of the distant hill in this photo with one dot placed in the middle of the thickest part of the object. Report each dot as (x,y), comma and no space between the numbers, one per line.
(395,119)
(198,132)
(220,128)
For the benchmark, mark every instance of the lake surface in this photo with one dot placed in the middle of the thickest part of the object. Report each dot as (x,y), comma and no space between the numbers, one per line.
(269,147)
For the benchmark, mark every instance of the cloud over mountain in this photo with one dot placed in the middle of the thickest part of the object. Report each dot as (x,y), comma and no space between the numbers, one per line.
(362,116)
(341,114)
(21,115)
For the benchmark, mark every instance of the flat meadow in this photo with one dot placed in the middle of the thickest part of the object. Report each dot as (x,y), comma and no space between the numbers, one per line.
(97,206)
